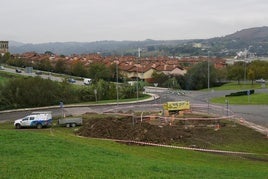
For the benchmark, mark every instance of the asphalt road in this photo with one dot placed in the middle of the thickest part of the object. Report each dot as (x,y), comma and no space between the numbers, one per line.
(252,113)
(257,114)
(44,75)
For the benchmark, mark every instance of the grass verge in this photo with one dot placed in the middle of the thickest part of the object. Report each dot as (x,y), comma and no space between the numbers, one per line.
(57,153)
(255,99)
(236,86)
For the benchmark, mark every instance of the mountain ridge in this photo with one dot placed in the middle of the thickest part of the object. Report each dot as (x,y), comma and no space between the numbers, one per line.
(256,36)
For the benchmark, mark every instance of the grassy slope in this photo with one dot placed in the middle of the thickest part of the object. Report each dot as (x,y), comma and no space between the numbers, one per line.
(236,86)
(56,153)
(255,99)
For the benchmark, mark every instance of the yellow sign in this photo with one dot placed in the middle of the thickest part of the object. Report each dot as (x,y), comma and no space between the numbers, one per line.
(177,105)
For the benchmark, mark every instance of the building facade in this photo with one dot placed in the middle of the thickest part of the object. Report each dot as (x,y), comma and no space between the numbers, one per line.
(3,47)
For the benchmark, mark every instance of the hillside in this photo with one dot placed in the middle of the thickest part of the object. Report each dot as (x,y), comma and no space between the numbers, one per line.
(229,45)
(104,47)
(253,39)
(252,34)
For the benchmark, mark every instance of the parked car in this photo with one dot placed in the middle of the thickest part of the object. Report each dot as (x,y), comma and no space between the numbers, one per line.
(38,72)
(260,81)
(71,80)
(18,70)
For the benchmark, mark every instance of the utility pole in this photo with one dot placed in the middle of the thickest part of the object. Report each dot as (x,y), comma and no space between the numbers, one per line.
(117,95)
(139,55)
(208,81)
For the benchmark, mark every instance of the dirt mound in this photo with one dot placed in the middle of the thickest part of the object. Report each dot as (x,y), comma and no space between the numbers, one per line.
(126,129)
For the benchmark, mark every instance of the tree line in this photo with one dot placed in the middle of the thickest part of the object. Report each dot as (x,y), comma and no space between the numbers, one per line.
(196,77)
(95,71)
(36,92)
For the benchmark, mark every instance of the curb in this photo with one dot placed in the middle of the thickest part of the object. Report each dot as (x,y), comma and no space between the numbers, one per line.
(152,98)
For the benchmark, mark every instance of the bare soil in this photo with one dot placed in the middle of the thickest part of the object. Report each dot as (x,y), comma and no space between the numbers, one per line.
(127,128)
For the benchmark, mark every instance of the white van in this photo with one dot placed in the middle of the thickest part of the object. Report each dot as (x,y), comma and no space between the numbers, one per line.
(87,81)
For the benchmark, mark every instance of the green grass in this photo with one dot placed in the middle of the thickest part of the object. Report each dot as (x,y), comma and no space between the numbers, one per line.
(5,76)
(236,86)
(57,153)
(255,99)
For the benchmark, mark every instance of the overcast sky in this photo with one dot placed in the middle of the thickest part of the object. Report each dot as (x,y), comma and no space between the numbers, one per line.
(38,21)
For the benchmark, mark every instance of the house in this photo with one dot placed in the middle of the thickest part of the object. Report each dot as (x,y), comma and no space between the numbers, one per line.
(171,69)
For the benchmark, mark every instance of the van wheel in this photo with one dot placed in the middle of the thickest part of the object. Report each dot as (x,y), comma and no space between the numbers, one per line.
(39,126)
(73,124)
(18,126)
(67,125)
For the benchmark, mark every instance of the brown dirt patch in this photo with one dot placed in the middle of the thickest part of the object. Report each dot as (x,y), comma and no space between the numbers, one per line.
(126,129)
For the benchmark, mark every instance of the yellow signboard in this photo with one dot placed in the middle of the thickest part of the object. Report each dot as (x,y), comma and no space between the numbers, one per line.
(177,106)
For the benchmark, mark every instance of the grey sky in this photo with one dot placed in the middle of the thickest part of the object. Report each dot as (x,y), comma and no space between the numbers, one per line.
(37,21)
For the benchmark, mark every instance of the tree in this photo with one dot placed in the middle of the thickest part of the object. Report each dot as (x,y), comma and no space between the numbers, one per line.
(4,58)
(221,74)
(98,71)
(172,83)
(48,53)
(22,62)
(45,65)
(160,78)
(197,76)
(78,69)
(236,71)
(60,66)
(258,69)
(34,92)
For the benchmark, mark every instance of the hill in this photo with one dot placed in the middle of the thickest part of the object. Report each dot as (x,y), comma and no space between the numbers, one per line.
(104,47)
(253,39)
(256,38)
(252,34)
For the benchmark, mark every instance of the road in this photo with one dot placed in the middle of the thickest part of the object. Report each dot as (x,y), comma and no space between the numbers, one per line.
(257,114)
(45,75)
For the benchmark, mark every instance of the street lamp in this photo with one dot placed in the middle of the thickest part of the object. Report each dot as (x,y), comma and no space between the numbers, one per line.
(208,80)
(139,55)
(246,61)
(117,83)
(227,106)
(208,71)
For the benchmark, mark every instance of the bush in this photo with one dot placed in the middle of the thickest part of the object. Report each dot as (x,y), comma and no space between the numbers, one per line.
(35,92)
(241,93)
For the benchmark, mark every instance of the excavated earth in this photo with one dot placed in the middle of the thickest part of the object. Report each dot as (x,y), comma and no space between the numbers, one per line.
(126,129)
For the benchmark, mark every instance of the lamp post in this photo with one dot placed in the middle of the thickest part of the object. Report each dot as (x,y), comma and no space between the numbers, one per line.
(245,62)
(139,55)
(208,71)
(227,106)
(208,81)
(117,84)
